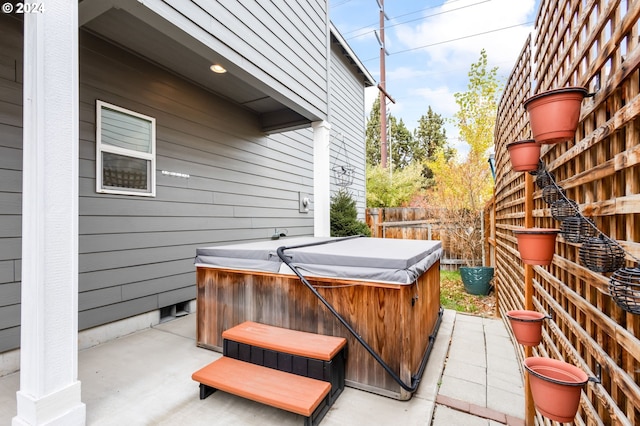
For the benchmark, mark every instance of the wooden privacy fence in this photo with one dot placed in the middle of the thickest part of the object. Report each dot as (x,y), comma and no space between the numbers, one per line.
(593,44)
(420,224)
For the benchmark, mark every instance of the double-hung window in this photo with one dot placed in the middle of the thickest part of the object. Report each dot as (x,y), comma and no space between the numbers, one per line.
(125,151)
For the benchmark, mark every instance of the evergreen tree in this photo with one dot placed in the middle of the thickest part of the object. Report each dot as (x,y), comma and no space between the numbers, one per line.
(344,216)
(373,135)
(400,141)
(431,138)
(402,145)
(430,135)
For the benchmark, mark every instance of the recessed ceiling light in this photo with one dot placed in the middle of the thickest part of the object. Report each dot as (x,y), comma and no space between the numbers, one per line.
(217,68)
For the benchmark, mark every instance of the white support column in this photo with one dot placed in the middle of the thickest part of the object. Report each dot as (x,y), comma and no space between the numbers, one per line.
(49,388)
(321,178)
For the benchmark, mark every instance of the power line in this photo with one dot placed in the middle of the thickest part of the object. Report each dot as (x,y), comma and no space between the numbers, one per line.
(455,39)
(422,10)
(367,28)
(395,17)
(340,4)
(440,13)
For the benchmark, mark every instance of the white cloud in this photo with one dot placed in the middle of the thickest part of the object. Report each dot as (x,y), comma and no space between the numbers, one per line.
(370,96)
(425,68)
(405,73)
(465,21)
(440,99)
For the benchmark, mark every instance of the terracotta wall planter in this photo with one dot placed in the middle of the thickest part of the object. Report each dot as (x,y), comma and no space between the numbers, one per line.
(536,245)
(555,387)
(554,115)
(524,154)
(527,326)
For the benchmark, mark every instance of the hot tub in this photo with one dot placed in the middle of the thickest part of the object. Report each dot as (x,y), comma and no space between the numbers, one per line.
(387,290)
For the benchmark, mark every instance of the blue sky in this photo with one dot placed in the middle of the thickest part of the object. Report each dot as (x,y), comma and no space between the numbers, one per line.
(431,45)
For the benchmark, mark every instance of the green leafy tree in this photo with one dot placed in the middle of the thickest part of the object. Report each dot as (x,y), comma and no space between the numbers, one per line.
(478,106)
(344,216)
(385,189)
(460,184)
(462,188)
(468,185)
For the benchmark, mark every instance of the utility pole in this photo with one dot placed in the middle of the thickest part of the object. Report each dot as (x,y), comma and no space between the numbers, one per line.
(382,87)
(383,97)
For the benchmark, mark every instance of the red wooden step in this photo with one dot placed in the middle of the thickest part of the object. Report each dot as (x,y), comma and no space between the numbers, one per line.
(290,392)
(278,339)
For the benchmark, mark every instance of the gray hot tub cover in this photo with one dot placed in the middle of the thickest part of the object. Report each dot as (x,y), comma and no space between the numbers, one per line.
(370,259)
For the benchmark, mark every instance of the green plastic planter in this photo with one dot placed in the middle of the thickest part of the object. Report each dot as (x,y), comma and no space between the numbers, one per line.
(477,279)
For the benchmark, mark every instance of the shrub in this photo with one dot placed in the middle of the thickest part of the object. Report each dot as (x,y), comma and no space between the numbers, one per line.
(344,216)
(386,189)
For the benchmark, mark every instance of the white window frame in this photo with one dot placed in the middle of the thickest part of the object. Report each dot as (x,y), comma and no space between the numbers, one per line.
(100,148)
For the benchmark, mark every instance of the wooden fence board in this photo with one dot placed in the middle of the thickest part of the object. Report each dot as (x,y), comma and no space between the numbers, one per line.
(418,224)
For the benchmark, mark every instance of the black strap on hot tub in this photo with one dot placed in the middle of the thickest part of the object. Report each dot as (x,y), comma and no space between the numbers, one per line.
(415,379)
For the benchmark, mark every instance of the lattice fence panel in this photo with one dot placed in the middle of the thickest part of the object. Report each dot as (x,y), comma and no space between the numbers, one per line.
(512,126)
(593,44)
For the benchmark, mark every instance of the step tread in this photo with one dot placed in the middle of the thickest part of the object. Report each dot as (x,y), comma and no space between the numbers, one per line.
(290,392)
(279,339)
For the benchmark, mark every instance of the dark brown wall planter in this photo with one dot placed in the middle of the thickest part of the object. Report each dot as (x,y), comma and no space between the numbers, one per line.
(524,155)
(555,386)
(601,254)
(527,326)
(624,287)
(554,115)
(536,245)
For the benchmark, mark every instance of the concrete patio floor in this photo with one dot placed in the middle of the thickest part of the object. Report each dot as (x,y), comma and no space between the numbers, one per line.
(472,378)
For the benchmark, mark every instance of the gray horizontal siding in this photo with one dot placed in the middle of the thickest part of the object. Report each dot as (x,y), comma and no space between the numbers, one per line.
(9,338)
(117,277)
(10,316)
(10,114)
(11,92)
(10,224)
(178,295)
(10,180)
(7,68)
(10,203)
(112,295)
(109,313)
(160,285)
(282,44)
(11,135)
(9,292)
(11,248)
(347,119)
(241,186)
(136,254)
(9,157)
(7,273)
